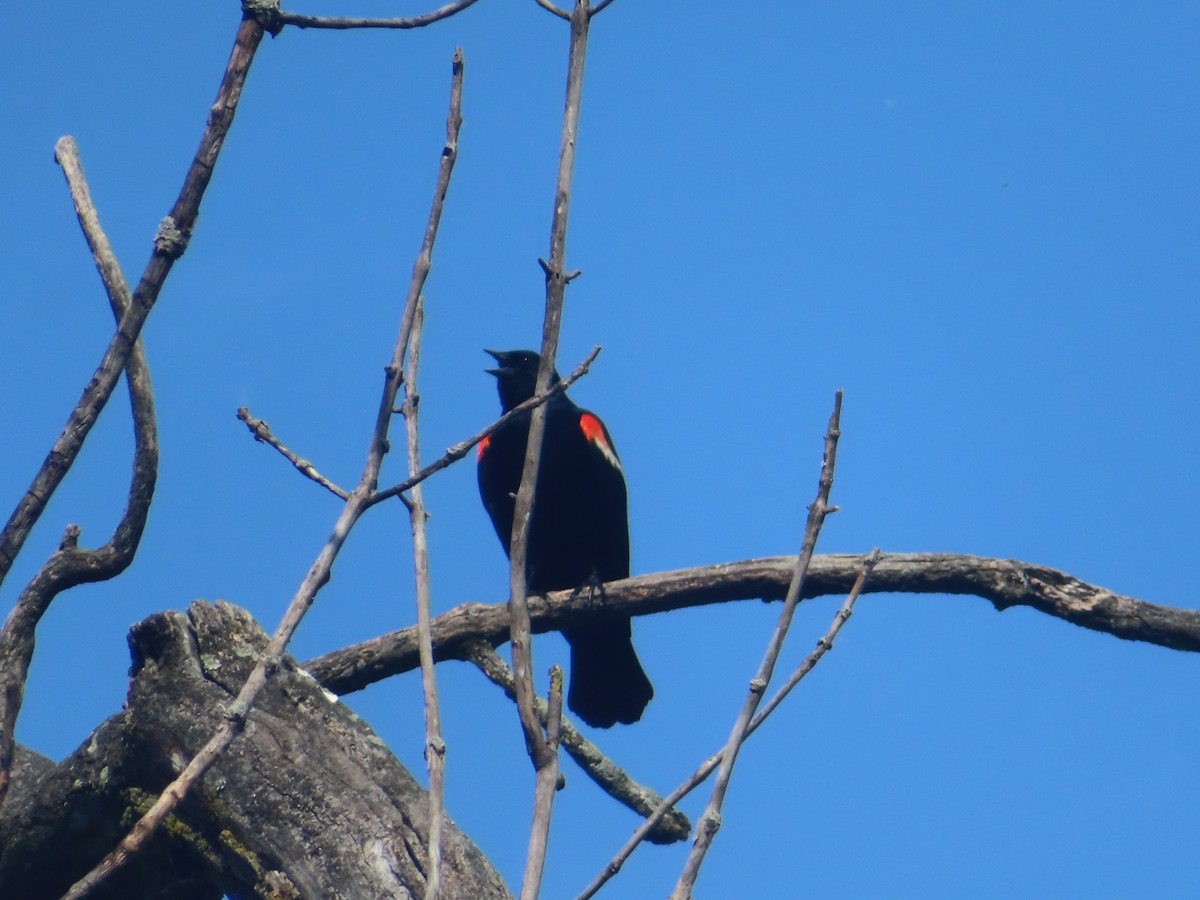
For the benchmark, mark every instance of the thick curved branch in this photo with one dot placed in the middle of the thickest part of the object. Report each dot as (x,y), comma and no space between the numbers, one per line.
(1003,582)
(70,565)
(169,244)
(341,23)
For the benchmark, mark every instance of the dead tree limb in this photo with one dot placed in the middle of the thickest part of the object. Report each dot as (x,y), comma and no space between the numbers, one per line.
(1003,582)
(309,803)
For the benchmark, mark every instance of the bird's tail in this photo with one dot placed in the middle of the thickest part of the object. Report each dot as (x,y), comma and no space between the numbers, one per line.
(607,681)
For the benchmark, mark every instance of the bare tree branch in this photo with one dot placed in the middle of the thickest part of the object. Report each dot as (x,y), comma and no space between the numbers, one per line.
(70,565)
(611,778)
(262,433)
(710,820)
(171,240)
(435,745)
(666,806)
(1003,582)
(551,8)
(542,750)
(308,802)
(318,575)
(300,21)
(548,781)
(459,450)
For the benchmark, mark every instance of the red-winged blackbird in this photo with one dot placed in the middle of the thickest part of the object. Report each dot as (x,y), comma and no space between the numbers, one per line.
(578,533)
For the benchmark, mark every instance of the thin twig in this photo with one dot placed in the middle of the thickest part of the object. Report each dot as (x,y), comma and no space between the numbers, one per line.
(823,645)
(318,575)
(71,565)
(546,786)
(541,752)
(435,746)
(461,449)
(300,21)
(262,433)
(706,768)
(551,8)
(170,243)
(600,7)
(610,777)
(710,821)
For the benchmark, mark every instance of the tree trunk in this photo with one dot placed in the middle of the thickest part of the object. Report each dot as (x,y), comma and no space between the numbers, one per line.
(307,803)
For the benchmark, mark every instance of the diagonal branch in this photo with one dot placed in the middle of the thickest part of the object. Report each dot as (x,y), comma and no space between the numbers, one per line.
(170,242)
(70,565)
(666,806)
(461,449)
(262,433)
(710,820)
(318,575)
(551,8)
(611,778)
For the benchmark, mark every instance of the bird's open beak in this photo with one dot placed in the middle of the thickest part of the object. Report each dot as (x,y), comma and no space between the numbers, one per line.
(499,357)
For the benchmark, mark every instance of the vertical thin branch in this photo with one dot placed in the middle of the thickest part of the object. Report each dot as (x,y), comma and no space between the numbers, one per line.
(543,756)
(546,785)
(318,574)
(71,565)
(555,291)
(710,821)
(169,244)
(435,746)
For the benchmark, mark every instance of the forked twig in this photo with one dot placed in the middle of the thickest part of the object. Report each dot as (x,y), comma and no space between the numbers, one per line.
(701,774)
(461,449)
(610,777)
(710,821)
(170,243)
(317,577)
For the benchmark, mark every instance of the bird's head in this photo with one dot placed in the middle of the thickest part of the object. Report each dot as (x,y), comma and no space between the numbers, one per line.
(516,375)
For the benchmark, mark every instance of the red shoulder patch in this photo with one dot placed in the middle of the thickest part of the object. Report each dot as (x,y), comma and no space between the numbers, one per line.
(592,429)
(483,445)
(594,432)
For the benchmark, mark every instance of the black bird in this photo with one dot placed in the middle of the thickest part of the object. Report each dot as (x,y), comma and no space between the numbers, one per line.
(578,533)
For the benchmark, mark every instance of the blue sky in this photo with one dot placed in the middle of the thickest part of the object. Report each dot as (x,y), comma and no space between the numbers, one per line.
(981,222)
